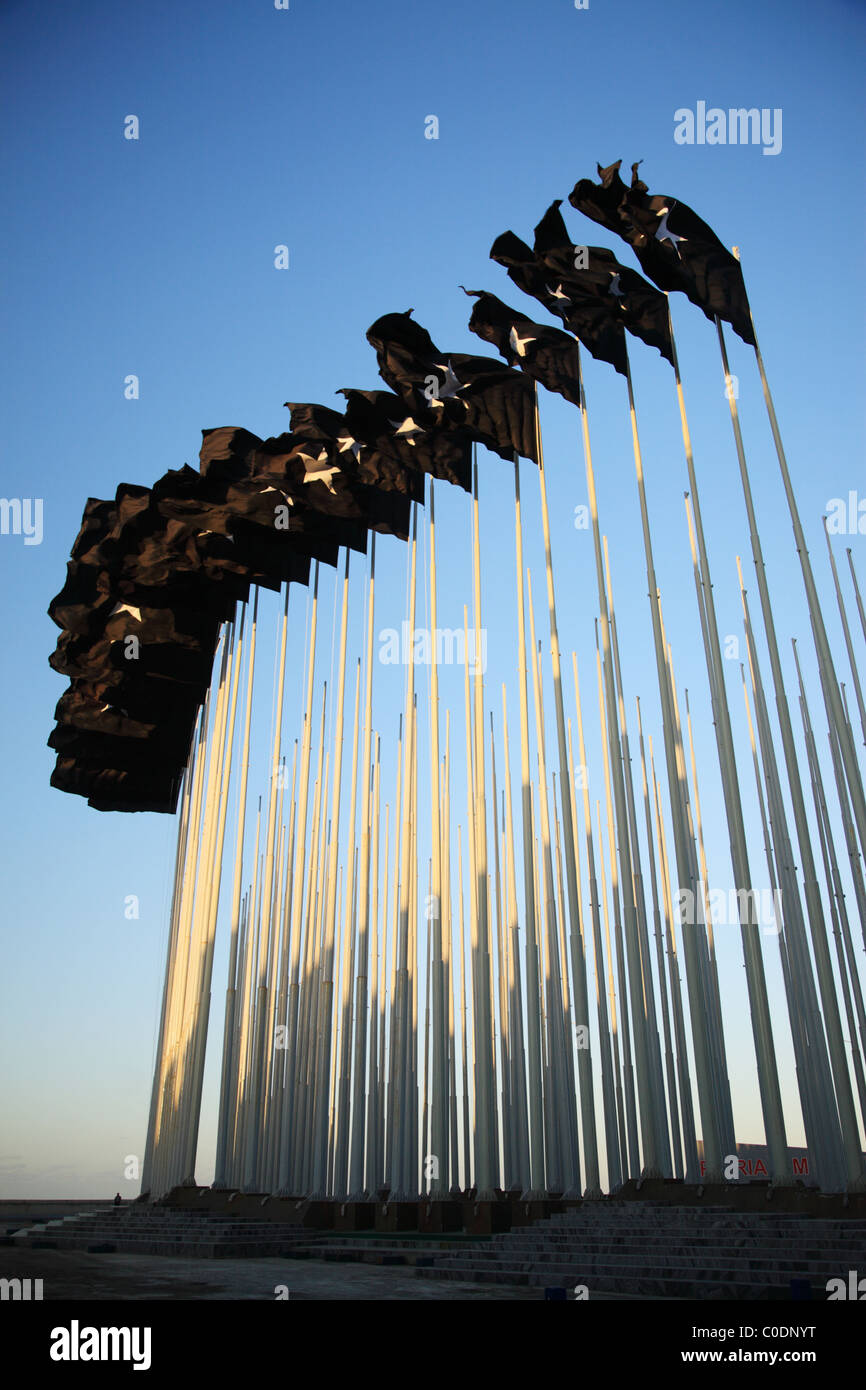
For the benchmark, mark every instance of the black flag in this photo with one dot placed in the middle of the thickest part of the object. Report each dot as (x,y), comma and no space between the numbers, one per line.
(582,311)
(675,247)
(546,354)
(594,273)
(477,396)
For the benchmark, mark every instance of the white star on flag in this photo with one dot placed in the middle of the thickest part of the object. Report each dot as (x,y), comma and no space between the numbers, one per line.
(406,429)
(323,475)
(663,232)
(451,385)
(126,608)
(346,442)
(517,343)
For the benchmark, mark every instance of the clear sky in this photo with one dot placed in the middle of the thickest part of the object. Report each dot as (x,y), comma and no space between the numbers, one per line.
(155,257)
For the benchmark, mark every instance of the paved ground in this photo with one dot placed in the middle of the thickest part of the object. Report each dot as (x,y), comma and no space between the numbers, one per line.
(74,1274)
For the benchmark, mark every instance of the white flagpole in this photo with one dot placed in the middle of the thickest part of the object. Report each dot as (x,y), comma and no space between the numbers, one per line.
(485,1098)
(660,962)
(829,1081)
(299,869)
(629,1141)
(356,1170)
(690,1146)
(847,631)
(535,1185)
(612,1142)
(822,646)
(645,1086)
(584,1060)
(319,1136)
(859,600)
(438,1185)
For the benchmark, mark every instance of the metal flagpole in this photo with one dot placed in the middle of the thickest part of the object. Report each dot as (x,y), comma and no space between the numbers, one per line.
(847,631)
(657,931)
(319,1135)
(629,1141)
(822,646)
(485,1096)
(518,1069)
(614,1169)
(566,1174)
(356,1169)
(535,1185)
(710,1084)
(662,1137)
(690,1145)
(439,1088)
(768,1076)
(467,1169)
(617,1171)
(824,1101)
(836,898)
(584,1060)
(344,1091)
(645,1086)
(299,867)
(400,1120)
(860,608)
(370,1182)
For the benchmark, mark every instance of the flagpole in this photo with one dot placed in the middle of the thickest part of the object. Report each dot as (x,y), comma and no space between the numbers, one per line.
(162,1034)
(400,1119)
(847,631)
(645,1086)
(836,898)
(518,1069)
(505,1108)
(286,1166)
(824,1103)
(615,1172)
(482,1013)
(666,1023)
(706,1057)
(225,766)
(439,1081)
(707,956)
(370,1182)
(535,1186)
(305,1064)
(319,1136)
(690,1146)
(854,1160)
(568,1170)
(631,1161)
(622,1165)
(344,1091)
(860,609)
(463,1026)
(662,1135)
(448,946)
(819,632)
(584,1060)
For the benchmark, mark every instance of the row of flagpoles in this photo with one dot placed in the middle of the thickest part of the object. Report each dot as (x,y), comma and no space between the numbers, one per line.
(361,1053)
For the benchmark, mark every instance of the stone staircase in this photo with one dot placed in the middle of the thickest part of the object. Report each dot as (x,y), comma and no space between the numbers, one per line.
(662,1251)
(151,1230)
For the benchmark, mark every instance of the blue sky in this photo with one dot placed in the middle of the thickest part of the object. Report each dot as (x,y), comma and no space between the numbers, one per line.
(155,257)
